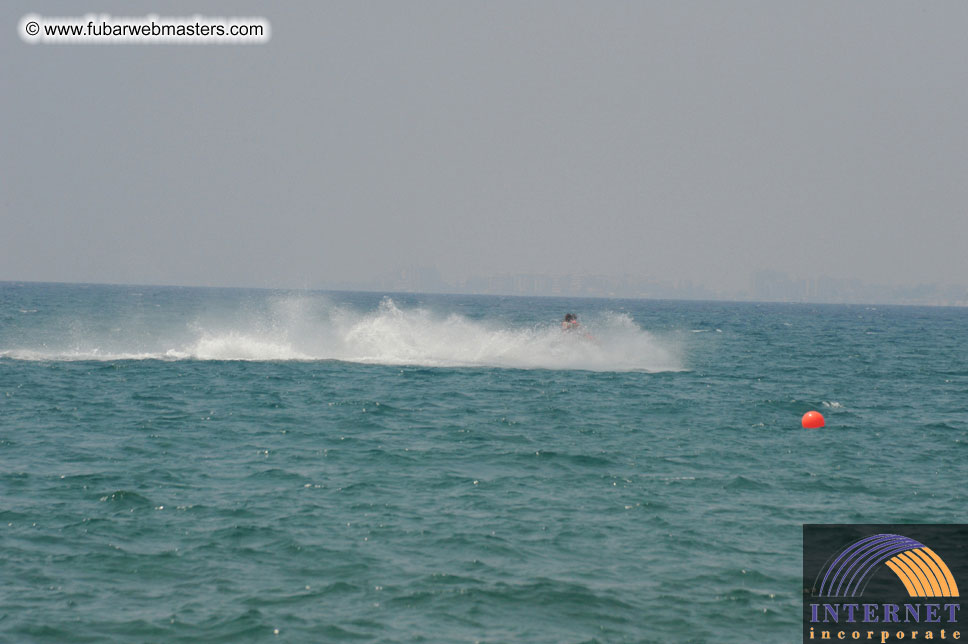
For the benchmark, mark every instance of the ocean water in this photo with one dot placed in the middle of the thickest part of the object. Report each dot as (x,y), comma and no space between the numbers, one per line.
(219,465)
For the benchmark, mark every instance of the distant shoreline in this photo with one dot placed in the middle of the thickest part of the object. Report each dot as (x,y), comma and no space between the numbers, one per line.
(552,296)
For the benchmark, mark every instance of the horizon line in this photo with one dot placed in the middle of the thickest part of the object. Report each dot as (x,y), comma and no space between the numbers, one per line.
(390,292)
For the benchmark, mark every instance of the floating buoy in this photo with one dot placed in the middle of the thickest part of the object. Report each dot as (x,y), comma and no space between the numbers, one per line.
(812,420)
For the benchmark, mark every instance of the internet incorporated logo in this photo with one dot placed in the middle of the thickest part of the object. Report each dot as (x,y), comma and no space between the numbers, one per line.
(907,587)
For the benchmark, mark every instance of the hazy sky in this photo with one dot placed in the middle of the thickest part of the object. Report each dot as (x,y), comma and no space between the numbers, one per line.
(671,140)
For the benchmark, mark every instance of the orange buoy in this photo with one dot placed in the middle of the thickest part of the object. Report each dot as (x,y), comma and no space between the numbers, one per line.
(812,420)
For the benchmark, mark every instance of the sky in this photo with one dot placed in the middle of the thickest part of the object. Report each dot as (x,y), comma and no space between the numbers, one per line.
(693,140)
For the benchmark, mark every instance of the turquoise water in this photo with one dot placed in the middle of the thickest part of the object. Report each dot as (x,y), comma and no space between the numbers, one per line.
(185,465)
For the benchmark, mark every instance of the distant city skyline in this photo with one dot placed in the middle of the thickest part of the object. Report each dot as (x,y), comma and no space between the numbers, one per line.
(764,285)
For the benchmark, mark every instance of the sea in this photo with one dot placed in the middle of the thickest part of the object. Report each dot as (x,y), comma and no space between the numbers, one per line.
(242,465)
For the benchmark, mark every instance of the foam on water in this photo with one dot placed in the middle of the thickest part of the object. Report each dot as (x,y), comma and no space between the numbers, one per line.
(313,328)
(234,345)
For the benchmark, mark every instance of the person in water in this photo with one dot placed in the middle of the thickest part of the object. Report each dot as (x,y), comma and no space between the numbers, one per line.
(570,322)
(571,325)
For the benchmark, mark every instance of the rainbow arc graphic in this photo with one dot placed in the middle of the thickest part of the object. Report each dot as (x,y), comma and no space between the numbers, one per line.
(919,568)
